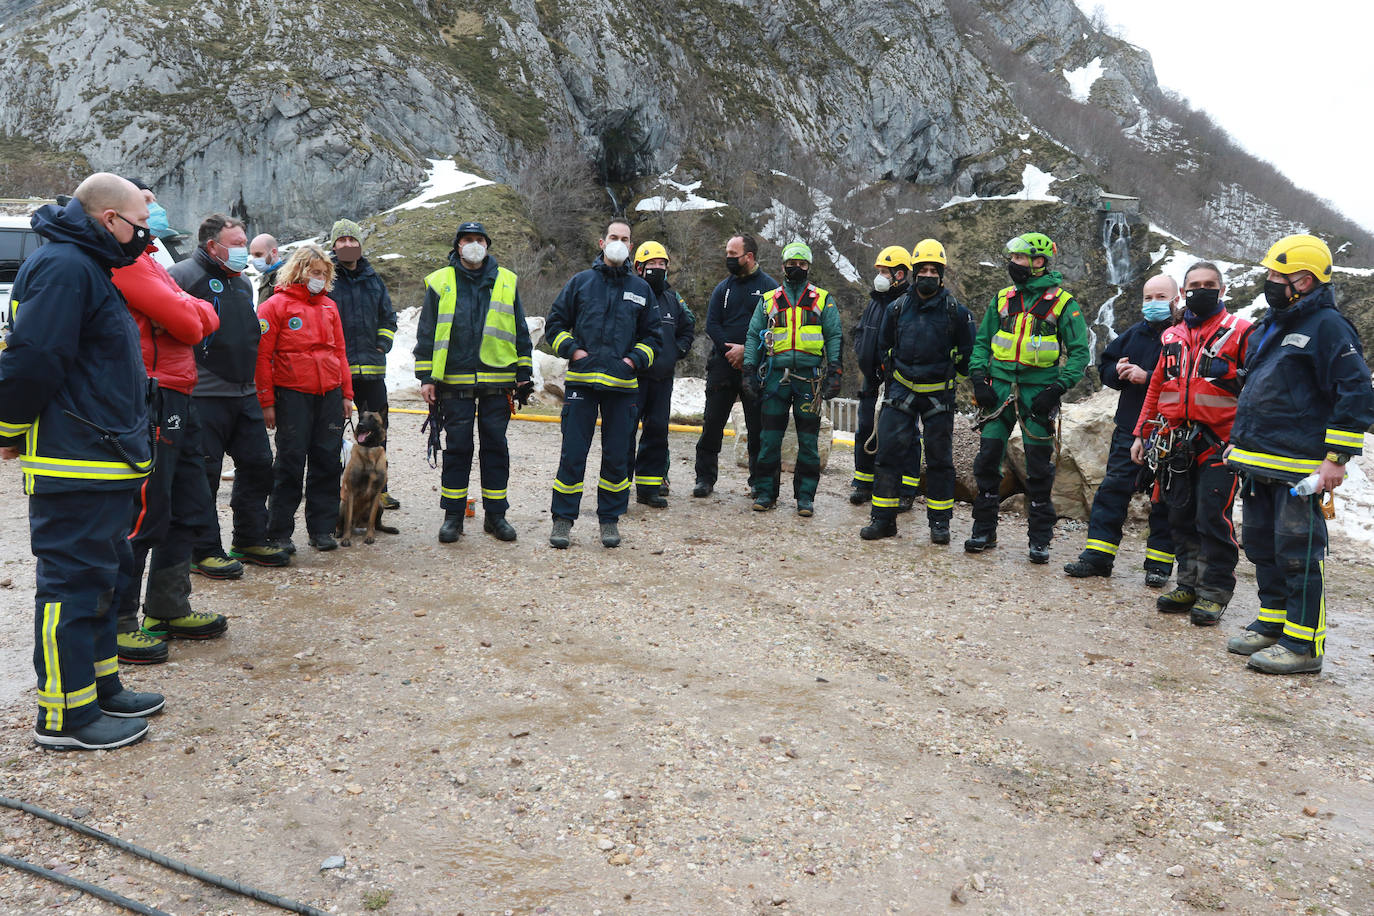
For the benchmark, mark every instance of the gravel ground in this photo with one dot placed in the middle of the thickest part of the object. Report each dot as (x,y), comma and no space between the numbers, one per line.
(732,713)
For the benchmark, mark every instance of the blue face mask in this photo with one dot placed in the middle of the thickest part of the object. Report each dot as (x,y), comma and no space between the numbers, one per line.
(1156,311)
(157,220)
(237,260)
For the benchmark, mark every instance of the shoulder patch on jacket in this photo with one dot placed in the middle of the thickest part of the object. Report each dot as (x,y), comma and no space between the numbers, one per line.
(1295,340)
(263,325)
(635,298)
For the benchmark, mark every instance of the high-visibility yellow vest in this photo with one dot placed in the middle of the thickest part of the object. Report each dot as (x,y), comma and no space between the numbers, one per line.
(796,327)
(498,331)
(1026,337)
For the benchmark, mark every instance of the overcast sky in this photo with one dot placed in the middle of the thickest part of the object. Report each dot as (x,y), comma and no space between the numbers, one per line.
(1289,81)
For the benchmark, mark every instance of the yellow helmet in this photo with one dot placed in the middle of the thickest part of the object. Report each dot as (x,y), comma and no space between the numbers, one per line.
(928,251)
(894,256)
(650,250)
(1293,253)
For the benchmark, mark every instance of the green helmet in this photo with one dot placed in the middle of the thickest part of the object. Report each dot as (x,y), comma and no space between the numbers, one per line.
(799,250)
(1034,244)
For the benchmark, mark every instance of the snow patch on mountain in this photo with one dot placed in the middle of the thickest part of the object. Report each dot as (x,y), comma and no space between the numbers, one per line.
(1081,80)
(444,178)
(1035,185)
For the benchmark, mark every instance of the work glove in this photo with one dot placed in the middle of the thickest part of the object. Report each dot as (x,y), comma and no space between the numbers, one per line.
(983,395)
(524,391)
(753,387)
(830,389)
(1047,401)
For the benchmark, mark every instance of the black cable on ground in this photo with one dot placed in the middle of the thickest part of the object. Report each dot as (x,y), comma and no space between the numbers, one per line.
(200,874)
(132,906)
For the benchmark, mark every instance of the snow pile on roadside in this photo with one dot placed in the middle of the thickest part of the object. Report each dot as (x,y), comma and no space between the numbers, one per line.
(400,362)
(1035,185)
(444,179)
(1355,500)
(689,398)
(1081,80)
(673,204)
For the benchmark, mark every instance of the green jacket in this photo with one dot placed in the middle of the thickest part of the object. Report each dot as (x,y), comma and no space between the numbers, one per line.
(1072,331)
(831,329)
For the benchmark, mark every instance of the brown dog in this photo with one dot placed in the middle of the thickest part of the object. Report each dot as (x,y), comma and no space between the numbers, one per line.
(364,481)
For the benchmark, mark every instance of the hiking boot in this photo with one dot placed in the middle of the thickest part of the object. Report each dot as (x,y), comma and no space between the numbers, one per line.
(498,527)
(877,529)
(452,527)
(285,545)
(105,733)
(702,489)
(192,626)
(610,534)
(1156,579)
(323,542)
(140,648)
(651,498)
(980,542)
(390,502)
(1280,660)
(261,555)
(805,507)
(1039,554)
(129,704)
(1086,569)
(763,502)
(939,532)
(218,566)
(561,538)
(1206,612)
(1249,642)
(859,495)
(1176,601)
(904,503)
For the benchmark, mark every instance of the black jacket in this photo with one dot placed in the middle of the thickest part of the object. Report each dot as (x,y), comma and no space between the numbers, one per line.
(228,358)
(74,353)
(677,332)
(369,321)
(609,312)
(926,342)
(732,306)
(867,336)
(1140,344)
(1307,391)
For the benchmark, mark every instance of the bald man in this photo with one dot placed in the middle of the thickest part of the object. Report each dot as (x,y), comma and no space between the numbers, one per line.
(73,409)
(266,259)
(1126,365)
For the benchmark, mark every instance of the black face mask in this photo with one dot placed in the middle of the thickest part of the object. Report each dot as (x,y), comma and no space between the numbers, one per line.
(927,286)
(136,245)
(796,275)
(734,266)
(656,277)
(1278,295)
(1203,303)
(1019,273)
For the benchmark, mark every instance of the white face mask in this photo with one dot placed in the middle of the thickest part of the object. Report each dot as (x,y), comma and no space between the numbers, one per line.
(315,285)
(881,283)
(473,252)
(615,253)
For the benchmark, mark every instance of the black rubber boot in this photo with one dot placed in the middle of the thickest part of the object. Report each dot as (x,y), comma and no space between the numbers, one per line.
(452,527)
(879,528)
(495,525)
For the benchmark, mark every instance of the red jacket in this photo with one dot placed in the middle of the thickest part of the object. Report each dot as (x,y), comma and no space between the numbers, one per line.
(1195,379)
(170,322)
(302,345)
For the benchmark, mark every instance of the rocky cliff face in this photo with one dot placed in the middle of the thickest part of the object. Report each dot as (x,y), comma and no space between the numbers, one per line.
(290,112)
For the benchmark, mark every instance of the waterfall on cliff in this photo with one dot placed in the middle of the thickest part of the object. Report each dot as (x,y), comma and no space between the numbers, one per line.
(1116,241)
